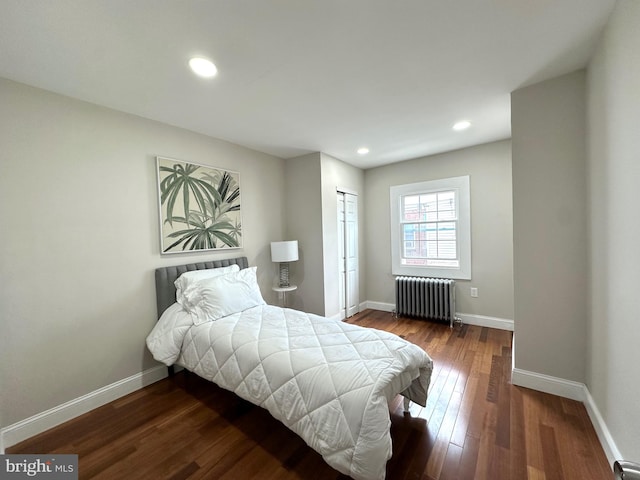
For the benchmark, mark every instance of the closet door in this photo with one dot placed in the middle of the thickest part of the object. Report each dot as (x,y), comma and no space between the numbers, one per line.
(342,260)
(349,287)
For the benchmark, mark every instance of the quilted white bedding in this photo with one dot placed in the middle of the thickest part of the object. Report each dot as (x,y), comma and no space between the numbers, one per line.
(328,381)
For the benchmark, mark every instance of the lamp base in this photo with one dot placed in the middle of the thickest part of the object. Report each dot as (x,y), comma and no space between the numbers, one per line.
(284,274)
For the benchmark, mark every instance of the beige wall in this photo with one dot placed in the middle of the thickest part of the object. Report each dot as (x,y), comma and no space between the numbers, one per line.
(337,174)
(311,208)
(549,227)
(613,377)
(304,223)
(79,222)
(489,168)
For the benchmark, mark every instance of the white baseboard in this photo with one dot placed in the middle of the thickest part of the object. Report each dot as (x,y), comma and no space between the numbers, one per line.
(548,384)
(385,307)
(485,321)
(41,422)
(575,391)
(468,318)
(606,440)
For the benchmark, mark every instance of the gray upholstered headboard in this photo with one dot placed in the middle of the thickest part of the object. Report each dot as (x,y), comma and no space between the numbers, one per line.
(165,276)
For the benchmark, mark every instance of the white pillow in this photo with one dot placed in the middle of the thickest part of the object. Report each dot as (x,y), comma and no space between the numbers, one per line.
(220,296)
(189,279)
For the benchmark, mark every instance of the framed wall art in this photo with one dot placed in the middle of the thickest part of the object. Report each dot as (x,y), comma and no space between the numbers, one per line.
(199,207)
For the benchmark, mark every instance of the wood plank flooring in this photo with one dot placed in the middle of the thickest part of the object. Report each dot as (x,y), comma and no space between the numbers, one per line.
(476,425)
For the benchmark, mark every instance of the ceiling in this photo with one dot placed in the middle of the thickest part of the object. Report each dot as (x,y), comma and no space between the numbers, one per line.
(301,76)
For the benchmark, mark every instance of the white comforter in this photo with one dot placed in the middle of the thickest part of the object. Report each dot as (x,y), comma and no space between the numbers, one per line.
(328,381)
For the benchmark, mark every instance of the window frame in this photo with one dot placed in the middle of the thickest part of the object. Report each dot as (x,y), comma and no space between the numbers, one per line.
(461,186)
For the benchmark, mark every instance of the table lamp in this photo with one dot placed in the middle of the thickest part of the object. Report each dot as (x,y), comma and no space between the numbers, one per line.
(283,253)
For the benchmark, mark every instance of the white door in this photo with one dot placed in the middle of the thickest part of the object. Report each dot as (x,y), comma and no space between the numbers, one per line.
(342,261)
(349,287)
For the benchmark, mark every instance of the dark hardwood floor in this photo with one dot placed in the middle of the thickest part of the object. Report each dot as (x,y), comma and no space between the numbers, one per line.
(476,425)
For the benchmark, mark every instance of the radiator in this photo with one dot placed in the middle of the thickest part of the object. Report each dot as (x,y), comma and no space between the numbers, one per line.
(433,298)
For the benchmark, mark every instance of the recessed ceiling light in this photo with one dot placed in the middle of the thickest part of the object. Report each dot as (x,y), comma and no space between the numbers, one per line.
(363,150)
(463,125)
(203,67)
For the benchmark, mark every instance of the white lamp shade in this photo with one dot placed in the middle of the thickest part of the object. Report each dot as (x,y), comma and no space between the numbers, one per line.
(284,251)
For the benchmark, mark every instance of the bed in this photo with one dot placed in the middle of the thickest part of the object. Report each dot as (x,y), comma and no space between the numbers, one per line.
(329,381)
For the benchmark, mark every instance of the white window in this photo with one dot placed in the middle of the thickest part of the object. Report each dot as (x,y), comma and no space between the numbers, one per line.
(431,229)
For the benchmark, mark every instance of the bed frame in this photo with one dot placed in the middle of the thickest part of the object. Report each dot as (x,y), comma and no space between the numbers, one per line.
(166,276)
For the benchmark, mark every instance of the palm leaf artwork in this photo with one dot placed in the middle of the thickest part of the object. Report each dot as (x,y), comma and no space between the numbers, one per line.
(199,207)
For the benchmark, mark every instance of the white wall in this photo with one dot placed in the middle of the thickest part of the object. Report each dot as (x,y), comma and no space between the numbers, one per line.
(489,167)
(549,227)
(613,357)
(79,222)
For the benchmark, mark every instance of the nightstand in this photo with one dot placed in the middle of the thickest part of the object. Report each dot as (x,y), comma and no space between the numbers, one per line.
(282,293)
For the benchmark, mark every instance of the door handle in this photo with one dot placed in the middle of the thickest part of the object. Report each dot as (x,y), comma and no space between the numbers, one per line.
(623,470)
